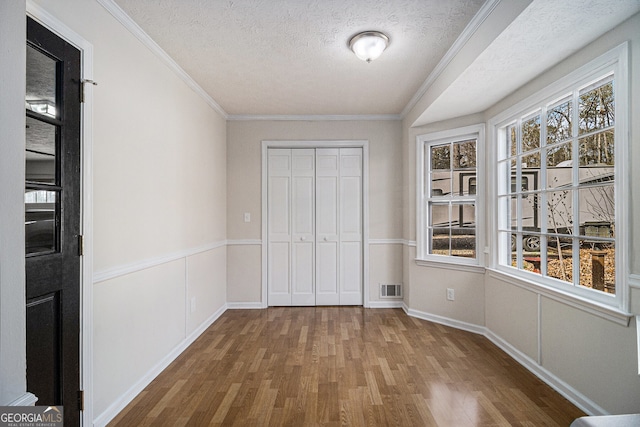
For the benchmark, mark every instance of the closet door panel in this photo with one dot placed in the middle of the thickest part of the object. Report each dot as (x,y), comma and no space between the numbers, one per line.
(327,271)
(278,211)
(327,226)
(351,273)
(279,279)
(315,252)
(302,275)
(350,224)
(279,207)
(303,226)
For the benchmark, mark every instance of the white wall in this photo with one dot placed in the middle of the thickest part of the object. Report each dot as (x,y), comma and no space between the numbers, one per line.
(592,359)
(244,195)
(12,142)
(159,203)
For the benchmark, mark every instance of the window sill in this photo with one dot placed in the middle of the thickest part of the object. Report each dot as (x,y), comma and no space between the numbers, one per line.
(470,268)
(604,311)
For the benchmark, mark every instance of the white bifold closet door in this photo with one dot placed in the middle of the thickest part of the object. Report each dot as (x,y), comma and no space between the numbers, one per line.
(315,226)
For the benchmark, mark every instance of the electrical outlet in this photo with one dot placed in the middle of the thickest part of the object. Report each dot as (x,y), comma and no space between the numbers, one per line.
(247,217)
(193,304)
(450,294)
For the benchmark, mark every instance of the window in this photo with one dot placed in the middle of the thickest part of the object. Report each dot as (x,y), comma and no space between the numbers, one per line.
(560,184)
(448,186)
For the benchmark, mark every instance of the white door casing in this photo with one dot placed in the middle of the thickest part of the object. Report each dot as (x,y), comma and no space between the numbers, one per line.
(41,15)
(321,257)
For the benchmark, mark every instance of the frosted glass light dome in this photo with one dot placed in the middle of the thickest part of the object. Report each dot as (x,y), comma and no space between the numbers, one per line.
(369,45)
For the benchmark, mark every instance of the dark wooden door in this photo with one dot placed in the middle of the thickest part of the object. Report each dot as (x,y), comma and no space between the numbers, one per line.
(52,220)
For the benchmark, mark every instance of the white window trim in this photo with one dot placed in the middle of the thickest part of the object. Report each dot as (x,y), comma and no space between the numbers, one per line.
(616,60)
(423,258)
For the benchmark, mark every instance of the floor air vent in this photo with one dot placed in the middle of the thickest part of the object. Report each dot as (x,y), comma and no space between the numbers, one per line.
(390,291)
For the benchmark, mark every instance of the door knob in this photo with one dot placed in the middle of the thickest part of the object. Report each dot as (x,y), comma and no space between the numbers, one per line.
(325,239)
(302,238)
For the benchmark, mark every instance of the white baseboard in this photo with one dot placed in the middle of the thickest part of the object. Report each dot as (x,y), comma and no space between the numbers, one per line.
(205,325)
(469,327)
(244,305)
(545,375)
(570,393)
(117,406)
(27,399)
(566,390)
(386,304)
(258,305)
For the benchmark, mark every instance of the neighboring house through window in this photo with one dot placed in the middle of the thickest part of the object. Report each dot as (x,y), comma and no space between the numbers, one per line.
(559,162)
(448,195)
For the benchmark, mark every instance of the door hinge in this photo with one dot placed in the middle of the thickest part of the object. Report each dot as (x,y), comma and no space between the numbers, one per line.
(82,83)
(81,400)
(80,245)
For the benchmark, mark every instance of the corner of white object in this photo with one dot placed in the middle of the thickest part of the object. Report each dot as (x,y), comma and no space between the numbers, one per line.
(27,399)
(638,341)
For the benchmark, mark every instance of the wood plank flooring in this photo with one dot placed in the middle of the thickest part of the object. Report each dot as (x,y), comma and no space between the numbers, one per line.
(343,366)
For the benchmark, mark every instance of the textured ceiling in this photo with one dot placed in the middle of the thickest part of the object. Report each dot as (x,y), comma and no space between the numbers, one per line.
(290,57)
(546,32)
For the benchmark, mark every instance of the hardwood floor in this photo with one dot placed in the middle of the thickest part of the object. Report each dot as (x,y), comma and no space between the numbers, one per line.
(343,366)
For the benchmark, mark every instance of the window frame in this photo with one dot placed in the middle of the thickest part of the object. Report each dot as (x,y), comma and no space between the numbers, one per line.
(615,63)
(423,257)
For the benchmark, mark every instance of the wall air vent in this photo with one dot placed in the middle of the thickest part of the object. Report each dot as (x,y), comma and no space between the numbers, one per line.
(390,290)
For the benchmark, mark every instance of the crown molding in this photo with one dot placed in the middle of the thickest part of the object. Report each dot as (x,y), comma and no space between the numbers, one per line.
(122,17)
(313,117)
(455,48)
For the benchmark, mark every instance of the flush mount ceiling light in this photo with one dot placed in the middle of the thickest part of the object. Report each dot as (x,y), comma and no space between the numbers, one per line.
(368,45)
